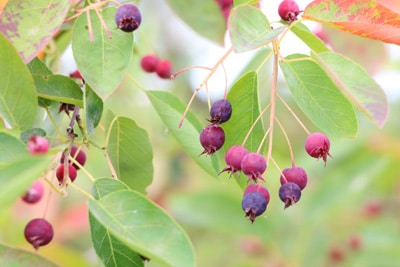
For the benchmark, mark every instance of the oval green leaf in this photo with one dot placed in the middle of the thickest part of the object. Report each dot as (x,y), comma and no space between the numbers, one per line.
(93,106)
(309,38)
(22,258)
(144,227)
(11,148)
(105,186)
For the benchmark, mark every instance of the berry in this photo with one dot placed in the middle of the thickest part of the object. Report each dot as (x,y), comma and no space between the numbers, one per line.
(76,75)
(257,188)
(233,158)
(149,63)
(212,138)
(289,193)
(38,145)
(220,111)
(295,175)
(224,3)
(78,156)
(317,146)
(288,10)
(128,17)
(38,232)
(254,204)
(164,69)
(253,165)
(71,173)
(34,193)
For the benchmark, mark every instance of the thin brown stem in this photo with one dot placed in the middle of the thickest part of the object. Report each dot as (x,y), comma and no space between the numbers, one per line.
(173,76)
(287,140)
(254,124)
(293,113)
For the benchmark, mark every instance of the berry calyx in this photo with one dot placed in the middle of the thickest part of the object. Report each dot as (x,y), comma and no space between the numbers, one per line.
(253,165)
(253,204)
(233,159)
(164,69)
(38,232)
(220,111)
(128,17)
(79,156)
(34,193)
(38,145)
(149,63)
(317,146)
(212,138)
(288,10)
(295,175)
(60,173)
(289,193)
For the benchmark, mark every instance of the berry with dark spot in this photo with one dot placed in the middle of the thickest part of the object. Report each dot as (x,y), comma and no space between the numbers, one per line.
(288,10)
(295,175)
(38,145)
(289,193)
(253,204)
(253,165)
(79,156)
(149,63)
(128,17)
(164,69)
(38,232)
(233,159)
(72,173)
(317,146)
(34,193)
(220,111)
(212,138)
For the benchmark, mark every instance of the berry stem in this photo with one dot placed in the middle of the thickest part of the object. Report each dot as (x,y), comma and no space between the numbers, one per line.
(254,124)
(77,188)
(292,24)
(287,140)
(293,114)
(279,169)
(263,140)
(91,35)
(55,126)
(173,76)
(112,169)
(103,24)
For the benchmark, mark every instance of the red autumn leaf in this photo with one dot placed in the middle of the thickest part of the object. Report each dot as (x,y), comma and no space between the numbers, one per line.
(365,18)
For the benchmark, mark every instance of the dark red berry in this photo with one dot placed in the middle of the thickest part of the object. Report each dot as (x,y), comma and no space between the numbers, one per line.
(254,204)
(38,232)
(128,17)
(233,159)
(289,193)
(253,165)
(288,10)
(38,145)
(34,193)
(220,111)
(295,175)
(258,188)
(212,138)
(317,146)
(60,173)
(224,3)
(76,75)
(79,156)
(149,63)
(164,69)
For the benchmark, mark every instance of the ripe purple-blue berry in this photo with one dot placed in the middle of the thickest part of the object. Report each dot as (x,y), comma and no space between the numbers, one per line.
(289,193)
(220,111)
(128,17)
(253,204)
(212,138)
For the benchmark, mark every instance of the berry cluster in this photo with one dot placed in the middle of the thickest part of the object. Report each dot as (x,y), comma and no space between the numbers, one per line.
(288,10)
(79,156)
(151,63)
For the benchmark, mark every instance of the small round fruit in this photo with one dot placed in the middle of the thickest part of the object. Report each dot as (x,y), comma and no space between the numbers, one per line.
(164,69)
(128,17)
(288,10)
(34,193)
(295,175)
(254,204)
(79,156)
(149,63)
(317,146)
(220,111)
(258,188)
(76,75)
(253,165)
(38,145)
(38,232)
(60,173)
(233,159)
(212,138)
(289,193)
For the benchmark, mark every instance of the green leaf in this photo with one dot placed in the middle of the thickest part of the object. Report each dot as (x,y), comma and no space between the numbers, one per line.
(249,28)
(11,148)
(59,88)
(170,109)
(131,153)
(18,100)
(359,87)
(22,258)
(104,186)
(93,106)
(207,19)
(30,25)
(309,38)
(102,61)
(319,98)
(36,66)
(144,227)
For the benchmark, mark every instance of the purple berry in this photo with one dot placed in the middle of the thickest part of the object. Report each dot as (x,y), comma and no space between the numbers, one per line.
(38,145)
(78,156)
(254,204)
(254,165)
(257,188)
(220,111)
(164,69)
(149,63)
(212,138)
(34,193)
(38,232)
(295,175)
(288,10)
(317,146)
(128,17)
(289,193)
(233,159)
(60,173)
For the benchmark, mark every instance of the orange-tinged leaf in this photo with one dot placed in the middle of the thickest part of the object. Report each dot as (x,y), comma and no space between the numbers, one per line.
(2,5)
(364,18)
